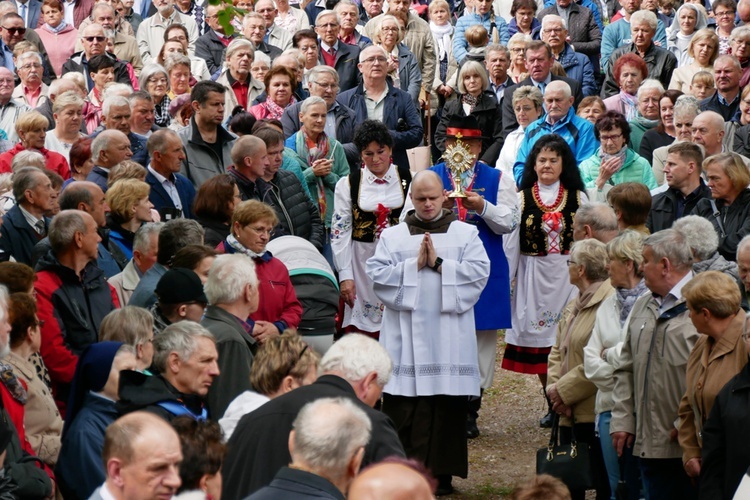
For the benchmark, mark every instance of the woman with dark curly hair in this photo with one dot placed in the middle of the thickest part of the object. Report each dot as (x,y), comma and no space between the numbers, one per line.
(214,205)
(614,162)
(366,202)
(203,451)
(550,193)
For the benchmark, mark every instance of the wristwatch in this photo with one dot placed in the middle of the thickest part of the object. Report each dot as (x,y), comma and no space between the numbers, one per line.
(438,263)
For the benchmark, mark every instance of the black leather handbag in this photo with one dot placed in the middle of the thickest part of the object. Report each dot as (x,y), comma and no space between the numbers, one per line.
(570,463)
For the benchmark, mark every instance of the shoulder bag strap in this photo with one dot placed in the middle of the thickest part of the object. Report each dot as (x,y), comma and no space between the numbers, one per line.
(717,216)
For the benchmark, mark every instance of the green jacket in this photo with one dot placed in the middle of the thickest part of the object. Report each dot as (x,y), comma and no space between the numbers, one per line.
(340,169)
(635,169)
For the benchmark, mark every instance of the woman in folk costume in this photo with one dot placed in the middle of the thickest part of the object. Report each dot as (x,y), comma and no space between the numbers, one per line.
(550,193)
(491,205)
(366,202)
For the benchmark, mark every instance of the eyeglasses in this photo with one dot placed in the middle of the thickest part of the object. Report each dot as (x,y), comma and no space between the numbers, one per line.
(371,60)
(15,31)
(329,86)
(727,13)
(517,49)
(94,38)
(607,138)
(263,230)
(390,30)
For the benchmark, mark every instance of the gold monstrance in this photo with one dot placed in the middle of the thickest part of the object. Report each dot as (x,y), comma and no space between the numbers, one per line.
(459,159)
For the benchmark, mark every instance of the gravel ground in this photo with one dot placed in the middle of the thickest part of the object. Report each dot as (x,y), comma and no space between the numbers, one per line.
(503,456)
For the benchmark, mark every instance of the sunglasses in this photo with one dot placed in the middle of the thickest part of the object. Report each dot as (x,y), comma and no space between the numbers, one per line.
(94,38)
(15,31)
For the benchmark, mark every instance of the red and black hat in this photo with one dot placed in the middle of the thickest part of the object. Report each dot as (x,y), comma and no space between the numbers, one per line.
(464,127)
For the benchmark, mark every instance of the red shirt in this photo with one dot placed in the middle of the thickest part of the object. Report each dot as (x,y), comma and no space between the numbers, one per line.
(240,90)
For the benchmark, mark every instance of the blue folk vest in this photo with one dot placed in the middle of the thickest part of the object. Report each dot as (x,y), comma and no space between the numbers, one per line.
(492,311)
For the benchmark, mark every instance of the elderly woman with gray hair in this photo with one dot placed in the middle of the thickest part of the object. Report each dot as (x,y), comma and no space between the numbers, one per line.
(402,65)
(527,105)
(155,80)
(600,356)
(686,108)
(474,99)
(571,393)
(647,115)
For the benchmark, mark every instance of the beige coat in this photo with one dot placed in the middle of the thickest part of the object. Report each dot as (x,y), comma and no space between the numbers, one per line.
(150,34)
(125,283)
(41,419)
(710,366)
(255,89)
(574,388)
(650,380)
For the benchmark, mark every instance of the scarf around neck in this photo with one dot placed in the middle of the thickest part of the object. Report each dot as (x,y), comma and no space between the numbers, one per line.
(627,297)
(59,28)
(442,36)
(630,103)
(240,248)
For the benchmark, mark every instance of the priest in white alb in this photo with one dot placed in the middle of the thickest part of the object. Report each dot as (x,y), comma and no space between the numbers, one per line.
(429,271)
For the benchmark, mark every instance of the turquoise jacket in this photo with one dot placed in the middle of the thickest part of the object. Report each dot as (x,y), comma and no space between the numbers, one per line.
(618,34)
(635,169)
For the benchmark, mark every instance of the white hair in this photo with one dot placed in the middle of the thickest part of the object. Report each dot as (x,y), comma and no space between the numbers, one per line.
(115,100)
(649,84)
(744,242)
(328,433)
(644,16)
(700,235)
(551,17)
(311,101)
(356,355)
(229,275)
(559,85)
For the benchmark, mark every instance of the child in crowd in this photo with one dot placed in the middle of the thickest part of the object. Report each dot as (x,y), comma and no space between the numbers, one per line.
(702,85)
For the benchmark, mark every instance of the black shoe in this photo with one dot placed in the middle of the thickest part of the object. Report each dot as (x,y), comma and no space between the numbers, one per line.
(445,486)
(472,431)
(546,421)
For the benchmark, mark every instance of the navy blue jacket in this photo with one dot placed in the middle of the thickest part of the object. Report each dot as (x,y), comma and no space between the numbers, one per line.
(17,237)
(398,105)
(298,484)
(730,113)
(159,197)
(99,176)
(79,469)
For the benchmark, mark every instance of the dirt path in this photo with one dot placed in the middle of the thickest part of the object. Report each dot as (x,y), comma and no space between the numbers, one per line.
(503,456)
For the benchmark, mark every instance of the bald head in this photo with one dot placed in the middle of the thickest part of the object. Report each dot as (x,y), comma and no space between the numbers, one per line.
(708,131)
(249,156)
(427,194)
(390,480)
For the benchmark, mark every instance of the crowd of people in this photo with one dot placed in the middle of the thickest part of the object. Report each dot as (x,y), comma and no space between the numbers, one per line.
(228,271)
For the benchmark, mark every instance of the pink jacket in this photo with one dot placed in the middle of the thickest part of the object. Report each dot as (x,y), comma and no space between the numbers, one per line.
(59,46)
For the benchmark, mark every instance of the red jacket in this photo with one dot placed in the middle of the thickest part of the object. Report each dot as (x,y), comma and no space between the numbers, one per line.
(53,161)
(278,302)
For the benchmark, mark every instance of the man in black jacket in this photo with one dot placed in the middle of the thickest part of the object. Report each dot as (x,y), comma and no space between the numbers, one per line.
(94,44)
(186,362)
(335,53)
(298,215)
(682,171)
(258,447)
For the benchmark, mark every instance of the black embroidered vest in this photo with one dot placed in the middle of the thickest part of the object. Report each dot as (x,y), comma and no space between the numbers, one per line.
(533,237)
(365,223)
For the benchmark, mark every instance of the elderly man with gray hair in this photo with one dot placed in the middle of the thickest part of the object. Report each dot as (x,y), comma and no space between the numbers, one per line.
(232,291)
(356,368)
(650,380)
(72,296)
(595,220)
(576,65)
(323,82)
(704,243)
(327,445)
(186,364)
(107,150)
(241,87)
(32,91)
(643,28)
(145,245)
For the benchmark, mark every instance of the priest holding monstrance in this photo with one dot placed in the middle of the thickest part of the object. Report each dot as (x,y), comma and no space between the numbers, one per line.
(486,198)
